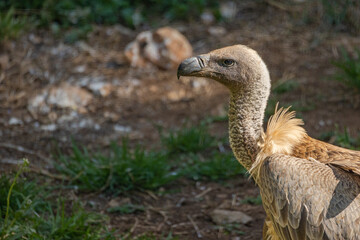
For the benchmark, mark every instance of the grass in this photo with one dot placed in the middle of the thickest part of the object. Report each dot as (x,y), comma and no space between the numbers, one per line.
(219,166)
(78,16)
(342,139)
(188,140)
(11,26)
(189,152)
(29,214)
(349,69)
(252,200)
(120,171)
(126,209)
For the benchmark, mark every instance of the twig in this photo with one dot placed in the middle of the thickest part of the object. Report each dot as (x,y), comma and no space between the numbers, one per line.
(48,174)
(24,150)
(180,202)
(151,194)
(36,170)
(204,193)
(132,229)
(198,233)
(281,6)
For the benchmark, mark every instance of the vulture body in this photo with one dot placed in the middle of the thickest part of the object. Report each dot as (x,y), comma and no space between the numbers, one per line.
(310,189)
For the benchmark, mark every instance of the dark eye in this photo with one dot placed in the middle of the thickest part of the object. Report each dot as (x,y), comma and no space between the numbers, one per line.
(227,62)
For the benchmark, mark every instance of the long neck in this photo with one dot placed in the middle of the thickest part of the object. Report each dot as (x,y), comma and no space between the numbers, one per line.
(246,114)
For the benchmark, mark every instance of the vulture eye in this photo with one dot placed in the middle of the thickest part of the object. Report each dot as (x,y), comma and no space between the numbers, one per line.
(227,62)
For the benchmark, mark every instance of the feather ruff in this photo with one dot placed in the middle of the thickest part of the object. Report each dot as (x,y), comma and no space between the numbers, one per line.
(283,132)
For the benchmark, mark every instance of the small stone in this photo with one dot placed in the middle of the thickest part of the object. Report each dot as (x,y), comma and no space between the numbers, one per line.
(49,127)
(207,17)
(115,202)
(217,31)
(67,96)
(123,129)
(15,121)
(221,217)
(228,10)
(101,88)
(80,69)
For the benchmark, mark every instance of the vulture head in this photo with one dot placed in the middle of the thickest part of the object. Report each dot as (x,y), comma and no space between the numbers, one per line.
(237,67)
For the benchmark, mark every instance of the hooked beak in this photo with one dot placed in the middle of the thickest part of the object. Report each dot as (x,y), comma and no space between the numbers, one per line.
(192,66)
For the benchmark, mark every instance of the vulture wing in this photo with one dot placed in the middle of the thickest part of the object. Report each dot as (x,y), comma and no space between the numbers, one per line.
(346,159)
(306,199)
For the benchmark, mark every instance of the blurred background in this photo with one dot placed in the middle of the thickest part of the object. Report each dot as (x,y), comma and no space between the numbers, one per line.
(100,140)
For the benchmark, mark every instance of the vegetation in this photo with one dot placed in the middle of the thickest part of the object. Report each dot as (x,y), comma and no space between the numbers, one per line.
(122,170)
(342,139)
(253,200)
(189,152)
(68,13)
(349,69)
(27,213)
(190,140)
(339,12)
(11,26)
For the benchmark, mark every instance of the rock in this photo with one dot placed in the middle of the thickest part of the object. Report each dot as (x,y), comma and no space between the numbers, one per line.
(228,10)
(49,127)
(80,69)
(116,202)
(207,17)
(166,48)
(96,84)
(63,96)
(68,96)
(220,217)
(217,31)
(123,129)
(101,88)
(15,121)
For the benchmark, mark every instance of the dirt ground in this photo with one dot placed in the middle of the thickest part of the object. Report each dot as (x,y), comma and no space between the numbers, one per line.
(143,99)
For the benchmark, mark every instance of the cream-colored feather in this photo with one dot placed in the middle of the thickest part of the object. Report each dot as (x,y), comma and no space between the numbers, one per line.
(283,132)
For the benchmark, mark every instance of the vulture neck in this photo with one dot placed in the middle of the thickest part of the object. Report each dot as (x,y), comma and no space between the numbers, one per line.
(246,114)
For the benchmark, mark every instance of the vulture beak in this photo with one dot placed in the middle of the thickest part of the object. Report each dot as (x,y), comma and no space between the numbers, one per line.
(192,66)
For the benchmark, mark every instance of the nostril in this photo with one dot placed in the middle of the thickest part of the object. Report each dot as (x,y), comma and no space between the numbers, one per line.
(201,62)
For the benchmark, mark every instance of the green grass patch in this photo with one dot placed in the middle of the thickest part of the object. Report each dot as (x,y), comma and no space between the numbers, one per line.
(342,139)
(126,209)
(220,166)
(29,214)
(349,69)
(119,171)
(10,25)
(283,86)
(252,200)
(131,13)
(188,140)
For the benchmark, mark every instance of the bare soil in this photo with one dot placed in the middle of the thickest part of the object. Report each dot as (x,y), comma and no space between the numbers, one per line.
(144,99)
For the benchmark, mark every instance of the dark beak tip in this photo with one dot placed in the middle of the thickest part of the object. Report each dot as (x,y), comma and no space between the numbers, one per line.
(188,67)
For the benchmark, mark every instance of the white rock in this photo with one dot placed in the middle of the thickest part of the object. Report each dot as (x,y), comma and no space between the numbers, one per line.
(15,121)
(217,31)
(80,69)
(123,129)
(101,88)
(220,216)
(49,127)
(228,10)
(207,17)
(67,96)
